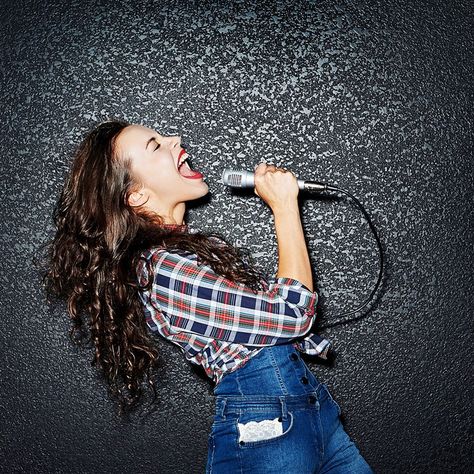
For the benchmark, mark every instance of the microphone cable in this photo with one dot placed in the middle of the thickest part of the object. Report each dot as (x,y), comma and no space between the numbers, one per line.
(381,261)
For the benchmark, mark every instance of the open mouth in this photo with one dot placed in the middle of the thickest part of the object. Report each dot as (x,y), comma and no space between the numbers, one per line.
(184,168)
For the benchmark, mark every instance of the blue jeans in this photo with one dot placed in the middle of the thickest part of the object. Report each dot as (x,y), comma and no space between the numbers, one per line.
(306,435)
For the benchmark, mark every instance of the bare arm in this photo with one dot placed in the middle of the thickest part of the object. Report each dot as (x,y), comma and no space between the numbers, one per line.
(293,258)
(279,189)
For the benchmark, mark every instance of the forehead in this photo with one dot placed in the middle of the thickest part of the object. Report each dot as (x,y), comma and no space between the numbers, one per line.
(133,138)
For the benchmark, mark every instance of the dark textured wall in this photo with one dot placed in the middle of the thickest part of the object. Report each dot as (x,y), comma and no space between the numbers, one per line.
(373,96)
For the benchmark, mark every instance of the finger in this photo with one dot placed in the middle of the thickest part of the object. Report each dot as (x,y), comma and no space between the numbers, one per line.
(260,168)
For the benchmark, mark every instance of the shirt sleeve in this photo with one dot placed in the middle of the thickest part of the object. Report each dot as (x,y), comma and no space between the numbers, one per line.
(197,300)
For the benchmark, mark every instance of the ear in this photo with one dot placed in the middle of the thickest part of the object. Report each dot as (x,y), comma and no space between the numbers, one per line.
(137,198)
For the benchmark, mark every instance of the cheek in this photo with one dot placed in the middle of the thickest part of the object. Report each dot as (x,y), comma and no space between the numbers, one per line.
(159,178)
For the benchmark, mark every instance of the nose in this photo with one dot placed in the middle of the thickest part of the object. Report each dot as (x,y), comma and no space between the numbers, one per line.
(175,140)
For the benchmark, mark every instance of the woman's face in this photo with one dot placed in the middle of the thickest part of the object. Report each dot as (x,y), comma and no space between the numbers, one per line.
(154,163)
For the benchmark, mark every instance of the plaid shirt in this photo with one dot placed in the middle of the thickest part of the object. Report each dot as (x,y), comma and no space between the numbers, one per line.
(218,323)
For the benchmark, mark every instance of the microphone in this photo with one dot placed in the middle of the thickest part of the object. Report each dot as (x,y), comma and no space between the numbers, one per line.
(245,179)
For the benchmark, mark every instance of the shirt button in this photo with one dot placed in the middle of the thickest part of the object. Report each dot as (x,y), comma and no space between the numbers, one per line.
(304,380)
(312,399)
(294,356)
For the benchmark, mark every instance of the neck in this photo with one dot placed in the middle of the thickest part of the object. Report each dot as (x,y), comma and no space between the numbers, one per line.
(173,216)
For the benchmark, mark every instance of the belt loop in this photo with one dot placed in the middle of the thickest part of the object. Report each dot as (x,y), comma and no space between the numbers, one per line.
(284,409)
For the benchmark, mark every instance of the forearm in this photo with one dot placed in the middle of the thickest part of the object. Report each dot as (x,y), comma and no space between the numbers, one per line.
(293,258)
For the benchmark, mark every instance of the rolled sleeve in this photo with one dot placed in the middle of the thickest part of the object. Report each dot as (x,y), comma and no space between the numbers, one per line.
(296,294)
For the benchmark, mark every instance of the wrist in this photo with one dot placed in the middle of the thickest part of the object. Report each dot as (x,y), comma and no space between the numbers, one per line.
(286,209)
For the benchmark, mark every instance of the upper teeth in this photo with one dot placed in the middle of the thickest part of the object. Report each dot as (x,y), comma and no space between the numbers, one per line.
(183,158)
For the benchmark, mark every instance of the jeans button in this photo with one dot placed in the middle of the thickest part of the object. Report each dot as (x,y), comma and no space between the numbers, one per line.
(294,356)
(304,380)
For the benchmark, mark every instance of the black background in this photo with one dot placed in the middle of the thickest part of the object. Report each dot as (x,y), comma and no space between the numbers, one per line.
(372,96)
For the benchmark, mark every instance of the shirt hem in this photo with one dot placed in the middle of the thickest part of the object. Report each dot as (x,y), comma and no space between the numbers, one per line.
(221,374)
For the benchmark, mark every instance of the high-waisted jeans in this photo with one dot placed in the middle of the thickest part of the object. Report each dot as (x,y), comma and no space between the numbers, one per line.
(306,434)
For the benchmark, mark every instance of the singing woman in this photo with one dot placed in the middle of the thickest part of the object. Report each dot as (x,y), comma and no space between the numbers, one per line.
(124,257)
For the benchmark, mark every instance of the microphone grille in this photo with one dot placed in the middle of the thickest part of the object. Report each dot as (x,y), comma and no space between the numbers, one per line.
(232,178)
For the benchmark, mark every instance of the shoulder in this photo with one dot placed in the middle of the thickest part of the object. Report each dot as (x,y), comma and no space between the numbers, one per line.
(160,261)
(159,255)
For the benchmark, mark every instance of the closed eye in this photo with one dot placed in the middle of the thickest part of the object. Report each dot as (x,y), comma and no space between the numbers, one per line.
(157,146)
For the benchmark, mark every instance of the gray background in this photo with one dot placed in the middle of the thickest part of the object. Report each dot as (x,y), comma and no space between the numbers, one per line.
(372,96)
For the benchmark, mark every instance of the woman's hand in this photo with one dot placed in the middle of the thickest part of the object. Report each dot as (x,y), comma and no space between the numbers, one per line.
(277,187)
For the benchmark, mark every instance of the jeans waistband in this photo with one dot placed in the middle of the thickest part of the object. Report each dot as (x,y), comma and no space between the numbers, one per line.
(226,405)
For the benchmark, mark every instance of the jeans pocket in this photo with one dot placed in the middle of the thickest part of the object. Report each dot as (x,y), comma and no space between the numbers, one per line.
(330,397)
(261,428)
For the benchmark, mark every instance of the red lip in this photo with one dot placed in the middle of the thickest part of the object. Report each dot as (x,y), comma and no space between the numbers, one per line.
(180,154)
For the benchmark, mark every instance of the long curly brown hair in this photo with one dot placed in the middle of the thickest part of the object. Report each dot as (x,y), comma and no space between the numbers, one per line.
(91,263)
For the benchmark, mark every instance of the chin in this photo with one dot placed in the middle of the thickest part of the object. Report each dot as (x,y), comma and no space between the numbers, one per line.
(200,189)
(206,188)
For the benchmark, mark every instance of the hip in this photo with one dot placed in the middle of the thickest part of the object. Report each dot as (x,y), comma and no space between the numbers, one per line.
(263,433)
(274,415)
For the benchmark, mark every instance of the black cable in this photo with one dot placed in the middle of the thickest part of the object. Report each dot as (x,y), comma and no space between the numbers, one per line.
(381,259)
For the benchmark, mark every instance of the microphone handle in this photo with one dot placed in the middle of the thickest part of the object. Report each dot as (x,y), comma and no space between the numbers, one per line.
(313,186)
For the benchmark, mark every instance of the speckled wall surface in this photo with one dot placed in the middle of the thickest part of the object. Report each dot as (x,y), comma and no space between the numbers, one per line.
(373,96)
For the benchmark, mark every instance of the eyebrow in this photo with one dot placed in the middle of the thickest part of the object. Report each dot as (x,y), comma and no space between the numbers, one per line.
(149,141)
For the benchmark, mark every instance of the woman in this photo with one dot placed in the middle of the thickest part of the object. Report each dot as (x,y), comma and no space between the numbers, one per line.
(124,257)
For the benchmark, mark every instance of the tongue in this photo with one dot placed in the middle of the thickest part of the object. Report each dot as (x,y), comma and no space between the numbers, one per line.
(185,170)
